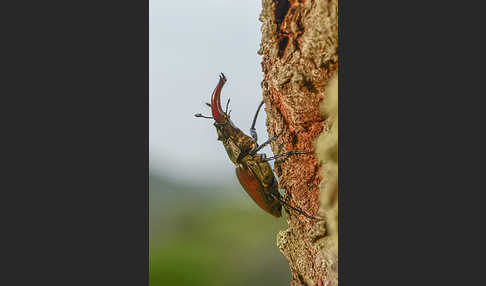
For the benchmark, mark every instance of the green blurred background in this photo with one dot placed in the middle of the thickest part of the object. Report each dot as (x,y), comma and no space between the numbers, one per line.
(211,235)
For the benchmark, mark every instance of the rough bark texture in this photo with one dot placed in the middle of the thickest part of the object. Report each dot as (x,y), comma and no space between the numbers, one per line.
(299,48)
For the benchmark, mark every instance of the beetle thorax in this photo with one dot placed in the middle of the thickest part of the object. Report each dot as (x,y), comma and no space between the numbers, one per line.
(236,143)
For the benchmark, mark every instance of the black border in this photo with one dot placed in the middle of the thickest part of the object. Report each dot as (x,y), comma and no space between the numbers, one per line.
(406,117)
(77,154)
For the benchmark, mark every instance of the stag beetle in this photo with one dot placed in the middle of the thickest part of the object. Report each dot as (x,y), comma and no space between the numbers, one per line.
(253,170)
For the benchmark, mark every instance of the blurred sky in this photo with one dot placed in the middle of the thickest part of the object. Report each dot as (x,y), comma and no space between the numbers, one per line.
(191,42)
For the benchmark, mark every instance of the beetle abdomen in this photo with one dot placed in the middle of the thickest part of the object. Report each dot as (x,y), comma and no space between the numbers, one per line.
(257,192)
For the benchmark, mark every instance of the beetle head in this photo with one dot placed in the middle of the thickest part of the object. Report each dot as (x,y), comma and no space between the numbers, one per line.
(236,143)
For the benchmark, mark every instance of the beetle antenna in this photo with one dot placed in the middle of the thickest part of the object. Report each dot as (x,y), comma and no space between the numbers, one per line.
(208,104)
(296,209)
(200,115)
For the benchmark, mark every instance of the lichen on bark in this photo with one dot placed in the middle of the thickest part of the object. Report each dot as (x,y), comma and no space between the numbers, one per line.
(299,47)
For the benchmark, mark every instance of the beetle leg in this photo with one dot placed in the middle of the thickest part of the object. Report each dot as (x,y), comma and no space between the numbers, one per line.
(295,208)
(280,147)
(285,154)
(258,148)
(252,128)
(287,197)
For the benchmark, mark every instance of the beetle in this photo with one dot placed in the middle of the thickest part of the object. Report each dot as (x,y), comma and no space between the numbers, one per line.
(252,169)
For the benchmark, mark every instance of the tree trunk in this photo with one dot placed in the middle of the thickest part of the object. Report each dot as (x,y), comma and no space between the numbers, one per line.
(299,47)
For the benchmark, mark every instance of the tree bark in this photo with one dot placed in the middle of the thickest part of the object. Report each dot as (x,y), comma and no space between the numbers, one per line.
(299,47)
